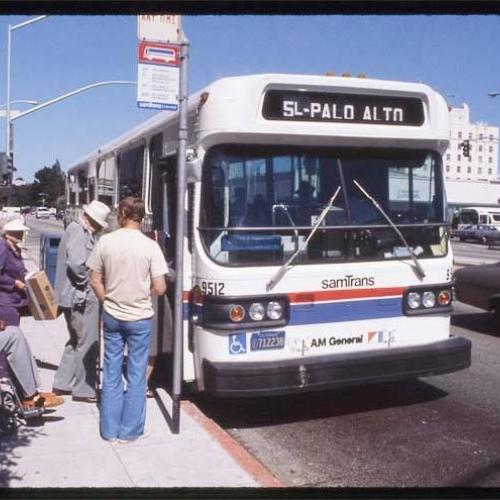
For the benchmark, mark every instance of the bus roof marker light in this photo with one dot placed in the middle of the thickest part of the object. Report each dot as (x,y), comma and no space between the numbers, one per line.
(202,101)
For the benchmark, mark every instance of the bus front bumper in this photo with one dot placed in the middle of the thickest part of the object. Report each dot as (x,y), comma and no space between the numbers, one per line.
(337,370)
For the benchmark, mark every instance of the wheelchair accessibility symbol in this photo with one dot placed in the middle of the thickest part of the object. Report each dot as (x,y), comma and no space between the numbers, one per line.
(238,343)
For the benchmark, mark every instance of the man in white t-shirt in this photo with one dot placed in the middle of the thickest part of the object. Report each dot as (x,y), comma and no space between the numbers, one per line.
(126,268)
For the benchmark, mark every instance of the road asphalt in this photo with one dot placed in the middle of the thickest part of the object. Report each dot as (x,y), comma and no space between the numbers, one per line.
(63,448)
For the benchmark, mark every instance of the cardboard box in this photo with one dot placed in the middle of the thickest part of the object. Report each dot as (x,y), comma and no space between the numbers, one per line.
(41,301)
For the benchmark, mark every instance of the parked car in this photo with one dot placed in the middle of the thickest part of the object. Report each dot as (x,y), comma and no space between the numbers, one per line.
(465,232)
(42,213)
(493,237)
(482,233)
(479,286)
(486,233)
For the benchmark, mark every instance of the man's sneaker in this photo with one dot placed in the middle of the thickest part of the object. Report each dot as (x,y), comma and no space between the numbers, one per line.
(83,399)
(144,435)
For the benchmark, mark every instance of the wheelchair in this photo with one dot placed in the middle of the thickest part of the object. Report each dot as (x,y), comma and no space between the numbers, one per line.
(12,413)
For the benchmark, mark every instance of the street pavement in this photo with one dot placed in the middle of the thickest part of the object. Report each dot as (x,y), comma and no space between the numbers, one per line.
(64,449)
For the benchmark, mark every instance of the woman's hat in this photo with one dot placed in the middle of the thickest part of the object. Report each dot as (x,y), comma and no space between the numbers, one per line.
(15,225)
(98,212)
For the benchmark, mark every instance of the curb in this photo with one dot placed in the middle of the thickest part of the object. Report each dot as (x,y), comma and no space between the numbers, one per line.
(244,458)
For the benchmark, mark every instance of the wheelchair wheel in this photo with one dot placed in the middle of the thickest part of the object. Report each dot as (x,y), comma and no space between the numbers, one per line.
(8,414)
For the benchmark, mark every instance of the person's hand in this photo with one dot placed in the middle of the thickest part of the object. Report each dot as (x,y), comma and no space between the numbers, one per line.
(2,325)
(19,285)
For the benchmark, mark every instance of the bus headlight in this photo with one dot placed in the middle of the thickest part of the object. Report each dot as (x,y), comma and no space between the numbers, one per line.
(274,310)
(414,300)
(256,311)
(237,313)
(428,299)
(444,297)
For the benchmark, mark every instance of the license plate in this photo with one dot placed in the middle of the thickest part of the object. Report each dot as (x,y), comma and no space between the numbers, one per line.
(261,341)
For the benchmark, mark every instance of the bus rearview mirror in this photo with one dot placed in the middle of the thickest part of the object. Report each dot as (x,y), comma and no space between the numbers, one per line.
(193,169)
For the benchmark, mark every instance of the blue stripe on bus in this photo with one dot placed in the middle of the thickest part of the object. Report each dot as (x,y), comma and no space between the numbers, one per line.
(332,312)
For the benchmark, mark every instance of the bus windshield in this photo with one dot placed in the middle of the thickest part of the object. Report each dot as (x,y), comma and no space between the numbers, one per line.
(259,204)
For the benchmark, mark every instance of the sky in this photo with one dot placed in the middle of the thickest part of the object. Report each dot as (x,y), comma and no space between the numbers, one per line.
(458,56)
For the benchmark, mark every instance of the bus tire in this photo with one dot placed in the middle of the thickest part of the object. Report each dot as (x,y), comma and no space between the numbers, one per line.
(496,311)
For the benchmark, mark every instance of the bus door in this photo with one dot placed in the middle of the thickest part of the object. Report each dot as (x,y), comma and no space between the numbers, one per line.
(163,207)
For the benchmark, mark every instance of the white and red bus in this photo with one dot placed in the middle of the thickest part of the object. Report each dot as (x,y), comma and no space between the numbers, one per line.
(317,253)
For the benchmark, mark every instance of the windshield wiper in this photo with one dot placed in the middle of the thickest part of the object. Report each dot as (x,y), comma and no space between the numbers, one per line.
(287,213)
(276,278)
(418,267)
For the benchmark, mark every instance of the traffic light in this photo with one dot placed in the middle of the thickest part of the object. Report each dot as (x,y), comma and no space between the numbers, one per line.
(3,164)
(466,148)
(10,163)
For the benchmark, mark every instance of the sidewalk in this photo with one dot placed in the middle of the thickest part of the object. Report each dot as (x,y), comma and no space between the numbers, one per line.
(65,449)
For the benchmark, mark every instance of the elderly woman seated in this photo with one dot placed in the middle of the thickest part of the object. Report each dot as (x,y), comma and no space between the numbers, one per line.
(22,365)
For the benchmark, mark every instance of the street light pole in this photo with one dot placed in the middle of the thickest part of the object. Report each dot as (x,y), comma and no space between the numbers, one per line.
(9,146)
(69,94)
(24,101)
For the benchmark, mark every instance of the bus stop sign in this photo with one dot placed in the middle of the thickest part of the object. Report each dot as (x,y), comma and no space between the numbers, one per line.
(164,28)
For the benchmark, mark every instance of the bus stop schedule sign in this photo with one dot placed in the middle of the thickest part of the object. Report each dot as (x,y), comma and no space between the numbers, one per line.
(162,28)
(158,75)
(345,108)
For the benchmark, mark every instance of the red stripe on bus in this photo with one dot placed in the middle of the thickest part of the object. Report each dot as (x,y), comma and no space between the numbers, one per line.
(343,294)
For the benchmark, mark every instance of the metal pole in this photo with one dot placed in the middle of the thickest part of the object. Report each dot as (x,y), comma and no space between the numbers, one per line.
(9,143)
(181,224)
(7,112)
(11,148)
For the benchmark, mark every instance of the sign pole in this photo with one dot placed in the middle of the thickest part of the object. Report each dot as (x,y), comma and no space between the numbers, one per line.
(181,231)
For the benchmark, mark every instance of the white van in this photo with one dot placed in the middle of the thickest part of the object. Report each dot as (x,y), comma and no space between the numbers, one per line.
(42,213)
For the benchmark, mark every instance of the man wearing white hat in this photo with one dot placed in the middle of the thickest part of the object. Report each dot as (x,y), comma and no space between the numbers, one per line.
(76,374)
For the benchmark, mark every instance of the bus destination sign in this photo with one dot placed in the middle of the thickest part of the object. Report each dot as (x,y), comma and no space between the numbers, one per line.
(345,108)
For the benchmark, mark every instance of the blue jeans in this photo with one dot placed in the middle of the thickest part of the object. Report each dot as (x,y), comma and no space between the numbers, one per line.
(123,412)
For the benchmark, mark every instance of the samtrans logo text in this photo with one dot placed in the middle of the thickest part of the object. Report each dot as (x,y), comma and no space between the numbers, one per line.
(348,282)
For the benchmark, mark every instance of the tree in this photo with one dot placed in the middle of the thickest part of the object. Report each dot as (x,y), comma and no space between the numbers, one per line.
(21,196)
(50,181)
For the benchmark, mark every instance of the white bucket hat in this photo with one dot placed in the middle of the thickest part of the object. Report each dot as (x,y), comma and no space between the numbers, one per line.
(98,212)
(14,225)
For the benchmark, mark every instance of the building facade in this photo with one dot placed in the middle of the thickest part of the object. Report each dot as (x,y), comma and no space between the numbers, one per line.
(482,164)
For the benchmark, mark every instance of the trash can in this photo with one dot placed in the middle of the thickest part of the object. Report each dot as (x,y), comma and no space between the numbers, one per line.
(49,243)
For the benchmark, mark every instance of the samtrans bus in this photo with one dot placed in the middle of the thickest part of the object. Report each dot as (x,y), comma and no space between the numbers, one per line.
(317,252)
